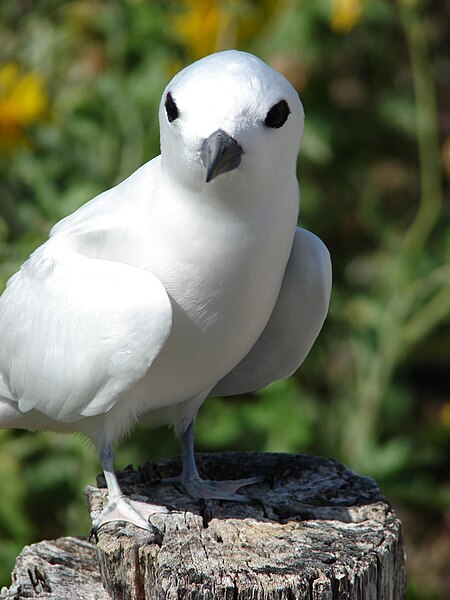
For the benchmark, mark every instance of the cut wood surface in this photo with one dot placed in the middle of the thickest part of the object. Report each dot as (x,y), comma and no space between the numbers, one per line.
(315,531)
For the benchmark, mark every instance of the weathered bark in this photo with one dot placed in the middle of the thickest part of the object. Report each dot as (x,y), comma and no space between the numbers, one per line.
(315,531)
(63,569)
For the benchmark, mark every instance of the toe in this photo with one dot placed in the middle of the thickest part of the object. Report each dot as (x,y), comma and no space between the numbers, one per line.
(220,490)
(129,511)
(233,485)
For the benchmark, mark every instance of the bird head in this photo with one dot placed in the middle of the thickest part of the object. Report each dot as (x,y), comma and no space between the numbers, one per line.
(227,118)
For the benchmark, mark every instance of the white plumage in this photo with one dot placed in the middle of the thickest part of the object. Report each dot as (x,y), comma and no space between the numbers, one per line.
(187,277)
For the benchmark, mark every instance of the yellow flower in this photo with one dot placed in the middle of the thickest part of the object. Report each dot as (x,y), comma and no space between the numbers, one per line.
(198,26)
(206,26)
(345,14)
(23,102)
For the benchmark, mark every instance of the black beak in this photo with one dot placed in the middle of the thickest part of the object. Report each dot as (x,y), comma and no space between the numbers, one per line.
(220,153)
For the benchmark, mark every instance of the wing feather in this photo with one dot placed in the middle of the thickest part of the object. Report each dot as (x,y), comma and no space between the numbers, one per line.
(295,322)
(77,332)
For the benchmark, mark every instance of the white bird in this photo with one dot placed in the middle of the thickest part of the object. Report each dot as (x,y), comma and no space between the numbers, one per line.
(187,278)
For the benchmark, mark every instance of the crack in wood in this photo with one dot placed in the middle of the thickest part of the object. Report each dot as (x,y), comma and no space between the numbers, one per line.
(38,581)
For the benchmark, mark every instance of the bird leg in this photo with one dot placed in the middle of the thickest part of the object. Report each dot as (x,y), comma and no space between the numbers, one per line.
(119,507)
(199,488)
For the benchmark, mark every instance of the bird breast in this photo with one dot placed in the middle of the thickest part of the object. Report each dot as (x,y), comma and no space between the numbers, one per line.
(221,265)
(223,274)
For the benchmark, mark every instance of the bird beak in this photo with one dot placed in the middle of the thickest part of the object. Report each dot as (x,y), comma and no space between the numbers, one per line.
(220,153)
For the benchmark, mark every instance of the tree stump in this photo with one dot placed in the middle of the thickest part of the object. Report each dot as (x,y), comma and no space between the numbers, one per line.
(314,531)
(62,569)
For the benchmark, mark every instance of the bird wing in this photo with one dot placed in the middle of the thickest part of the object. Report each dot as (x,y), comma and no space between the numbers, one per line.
(77,332)
(294,324)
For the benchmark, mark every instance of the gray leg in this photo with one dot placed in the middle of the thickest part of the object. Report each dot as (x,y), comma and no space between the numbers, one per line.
(119,507)
(200,488)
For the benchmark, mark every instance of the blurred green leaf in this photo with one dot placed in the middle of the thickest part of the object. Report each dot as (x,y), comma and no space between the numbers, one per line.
(375,388)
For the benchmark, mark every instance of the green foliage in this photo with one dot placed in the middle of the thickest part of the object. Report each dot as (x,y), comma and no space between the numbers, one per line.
(374,391)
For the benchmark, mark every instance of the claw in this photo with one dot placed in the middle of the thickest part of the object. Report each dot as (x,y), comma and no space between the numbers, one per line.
(93,537)
(130,511)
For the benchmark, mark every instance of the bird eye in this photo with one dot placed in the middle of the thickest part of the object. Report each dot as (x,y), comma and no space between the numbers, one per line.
(171,108)
(277,115)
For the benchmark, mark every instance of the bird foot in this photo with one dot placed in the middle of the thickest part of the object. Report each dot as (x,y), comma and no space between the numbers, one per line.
(199,488)
(130,511)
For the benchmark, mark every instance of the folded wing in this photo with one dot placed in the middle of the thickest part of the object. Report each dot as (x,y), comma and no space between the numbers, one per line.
(295,322)
(76,332)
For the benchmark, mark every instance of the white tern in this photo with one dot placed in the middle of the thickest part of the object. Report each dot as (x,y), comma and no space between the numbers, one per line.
(188,278)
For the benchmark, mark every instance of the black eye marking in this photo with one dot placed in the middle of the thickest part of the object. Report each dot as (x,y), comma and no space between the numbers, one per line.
(171,108)
(277,115)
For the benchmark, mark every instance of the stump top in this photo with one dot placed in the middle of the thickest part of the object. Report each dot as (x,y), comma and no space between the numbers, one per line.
(315,530)
(294,488)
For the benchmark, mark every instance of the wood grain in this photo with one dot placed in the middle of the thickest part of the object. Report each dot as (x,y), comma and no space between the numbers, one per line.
(314,531)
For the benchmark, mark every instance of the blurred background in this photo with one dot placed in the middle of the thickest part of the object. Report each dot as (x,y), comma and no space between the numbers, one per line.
(80,83)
